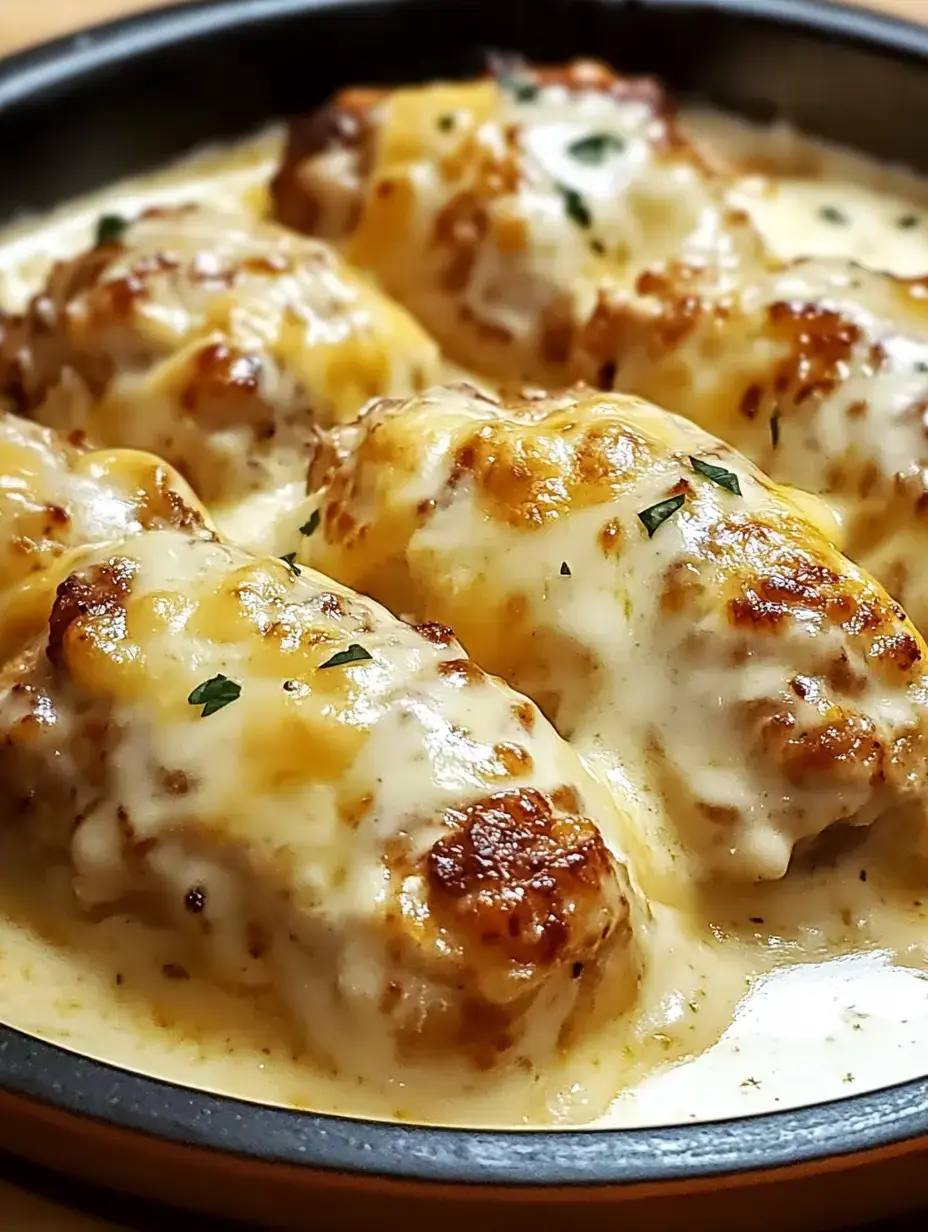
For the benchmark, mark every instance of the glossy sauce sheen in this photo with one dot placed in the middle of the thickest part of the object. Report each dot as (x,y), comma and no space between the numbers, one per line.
(756,997)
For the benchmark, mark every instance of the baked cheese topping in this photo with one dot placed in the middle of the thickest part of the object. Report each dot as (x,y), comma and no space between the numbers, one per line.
(819,372)
(213,340)
(326,802)
(555,225)
(496,210)
(55,496)
(177,749)
(669,608)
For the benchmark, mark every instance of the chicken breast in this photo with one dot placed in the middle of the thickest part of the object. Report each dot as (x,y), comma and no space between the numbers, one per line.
(675,614)
(818,371)
(323,801)
(212,340)
(497,210)
(553,225)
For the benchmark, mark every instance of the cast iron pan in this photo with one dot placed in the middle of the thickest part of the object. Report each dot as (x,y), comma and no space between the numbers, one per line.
(125,97)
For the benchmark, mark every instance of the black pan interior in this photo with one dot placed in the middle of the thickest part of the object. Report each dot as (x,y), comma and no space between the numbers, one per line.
(118,100)
(126,97)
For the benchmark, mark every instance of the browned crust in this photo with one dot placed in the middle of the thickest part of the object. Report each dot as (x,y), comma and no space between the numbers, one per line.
(344,124)
(512,876)
(98,593)
(224,388)
(794,584)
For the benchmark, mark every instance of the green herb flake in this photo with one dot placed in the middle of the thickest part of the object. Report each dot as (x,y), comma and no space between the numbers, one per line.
(522,89)
(921,365)
(215,693)
(594,148)
(310,526)
(598,247)
(111,228)
(654,516)
(718,474)
(446,123)
(905,222)
(575,207)
(290,561)
(565,569)
(775,428)
(354,654)
(831,213)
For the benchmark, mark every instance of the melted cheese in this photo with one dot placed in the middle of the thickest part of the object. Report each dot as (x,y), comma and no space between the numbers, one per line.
(785,692)
(497,210)
(214,341)
(55,496)
(635,266)
(398,847)
(814,982)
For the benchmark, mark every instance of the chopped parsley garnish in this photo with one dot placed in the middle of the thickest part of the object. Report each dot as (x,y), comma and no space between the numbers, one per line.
(215,693)
(831,213)
(905,222)
(593,149)
(565,569)
(775,427)
(290,561)
(576,208)
(522,89)
(718,474)
(598,247)
(920,365)
(354,654)
(312,523)
(446,123)
(656,515)
(111,228)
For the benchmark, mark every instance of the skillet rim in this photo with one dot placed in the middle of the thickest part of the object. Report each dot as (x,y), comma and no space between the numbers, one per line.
(83,1087)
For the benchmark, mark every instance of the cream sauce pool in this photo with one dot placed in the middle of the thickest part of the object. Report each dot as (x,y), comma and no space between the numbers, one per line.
(746,1007)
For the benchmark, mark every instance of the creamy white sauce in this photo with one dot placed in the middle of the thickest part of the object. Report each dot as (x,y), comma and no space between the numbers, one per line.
(835,1013)
(812,199)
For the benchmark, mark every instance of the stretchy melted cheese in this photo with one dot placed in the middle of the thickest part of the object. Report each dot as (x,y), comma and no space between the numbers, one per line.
(712,641)
(214,341)
(395,843)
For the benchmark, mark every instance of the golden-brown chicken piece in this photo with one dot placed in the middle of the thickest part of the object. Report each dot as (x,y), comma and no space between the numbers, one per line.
(673,611)
(554,225)
(212,340)
(324,801)
(498,210)
(818,371)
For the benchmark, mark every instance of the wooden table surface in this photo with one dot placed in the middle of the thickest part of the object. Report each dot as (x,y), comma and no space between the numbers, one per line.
(32,1200)
(27,21)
